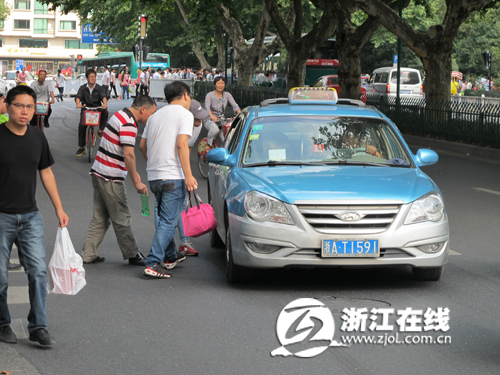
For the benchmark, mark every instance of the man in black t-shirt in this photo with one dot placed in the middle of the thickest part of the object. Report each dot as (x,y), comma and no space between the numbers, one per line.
(24,150)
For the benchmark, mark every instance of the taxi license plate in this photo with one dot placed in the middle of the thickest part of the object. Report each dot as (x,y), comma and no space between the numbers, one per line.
(349,248)
(405,91)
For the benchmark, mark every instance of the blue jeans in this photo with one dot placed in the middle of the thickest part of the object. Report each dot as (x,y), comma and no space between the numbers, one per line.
(125,91)
(180,226)
(28,228)
(170,197)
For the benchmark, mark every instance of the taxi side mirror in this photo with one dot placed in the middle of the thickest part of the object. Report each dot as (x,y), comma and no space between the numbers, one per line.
(426,157)
(220,156)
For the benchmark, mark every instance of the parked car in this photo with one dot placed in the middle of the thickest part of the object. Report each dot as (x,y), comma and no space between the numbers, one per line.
(383,82)
(333,82)
(8,80)
(316,182)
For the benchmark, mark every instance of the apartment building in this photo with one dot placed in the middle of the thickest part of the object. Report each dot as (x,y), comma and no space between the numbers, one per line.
(39,38)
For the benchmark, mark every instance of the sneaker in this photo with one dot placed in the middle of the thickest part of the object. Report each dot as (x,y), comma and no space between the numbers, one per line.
(81,151)
(42,337)
(62,100)
(14,266)
(47,125)
(138,260)
(96,260)
(189,249)
(6,335)
(169,264)
(157,271)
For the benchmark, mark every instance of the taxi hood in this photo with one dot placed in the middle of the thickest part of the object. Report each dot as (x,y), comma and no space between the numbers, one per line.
(299,183)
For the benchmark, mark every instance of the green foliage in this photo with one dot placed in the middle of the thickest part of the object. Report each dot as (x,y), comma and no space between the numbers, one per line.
(480,33)
(4,10)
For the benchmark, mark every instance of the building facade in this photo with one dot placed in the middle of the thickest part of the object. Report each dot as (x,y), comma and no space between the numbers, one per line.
(39,38)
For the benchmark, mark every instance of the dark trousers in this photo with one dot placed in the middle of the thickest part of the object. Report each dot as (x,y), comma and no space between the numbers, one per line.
(106,90)
(82,129)
(45,121)
(113,88)
(144,90)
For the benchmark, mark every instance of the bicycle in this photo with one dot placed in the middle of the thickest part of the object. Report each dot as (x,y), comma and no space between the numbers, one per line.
(42,110)
(224,124)
(91,119)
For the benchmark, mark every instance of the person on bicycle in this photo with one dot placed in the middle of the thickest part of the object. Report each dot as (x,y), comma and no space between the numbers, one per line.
(216,103)
(44,93)
(59,79)
(90,95)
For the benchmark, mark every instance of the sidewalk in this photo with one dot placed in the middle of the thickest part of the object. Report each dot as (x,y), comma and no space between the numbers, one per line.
(12,361)
(458,149)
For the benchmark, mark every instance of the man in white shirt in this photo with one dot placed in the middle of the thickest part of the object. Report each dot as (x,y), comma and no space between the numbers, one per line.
(157,74)
(106,78)
(164,144)
(44,93)
(145,81)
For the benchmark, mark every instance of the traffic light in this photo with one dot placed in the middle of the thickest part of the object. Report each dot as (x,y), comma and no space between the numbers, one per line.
(487,59)
(142,30)
(145,51)
(79,57)
(135,51)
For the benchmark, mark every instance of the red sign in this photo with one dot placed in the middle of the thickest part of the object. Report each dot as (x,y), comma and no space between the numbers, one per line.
(322,62)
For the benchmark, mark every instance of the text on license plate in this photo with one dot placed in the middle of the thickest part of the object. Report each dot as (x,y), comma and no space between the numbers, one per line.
(349,248)
(405,91)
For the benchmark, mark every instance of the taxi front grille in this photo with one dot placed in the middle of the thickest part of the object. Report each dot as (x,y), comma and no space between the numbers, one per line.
(350,219)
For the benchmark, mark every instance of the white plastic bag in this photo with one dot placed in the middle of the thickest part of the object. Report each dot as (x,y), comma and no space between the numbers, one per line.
(66,273)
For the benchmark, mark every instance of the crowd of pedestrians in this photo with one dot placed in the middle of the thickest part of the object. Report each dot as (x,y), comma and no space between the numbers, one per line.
(24,151)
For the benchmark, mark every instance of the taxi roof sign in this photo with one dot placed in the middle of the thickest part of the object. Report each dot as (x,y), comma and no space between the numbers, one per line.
(313,95)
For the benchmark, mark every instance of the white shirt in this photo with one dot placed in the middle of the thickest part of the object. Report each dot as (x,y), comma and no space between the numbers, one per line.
(194,137)
(60,80)
(168,75)
(157,76)
(161,132)
(105,78)
(113,75)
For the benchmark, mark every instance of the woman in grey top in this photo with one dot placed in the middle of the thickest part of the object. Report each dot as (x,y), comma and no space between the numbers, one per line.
(216,103)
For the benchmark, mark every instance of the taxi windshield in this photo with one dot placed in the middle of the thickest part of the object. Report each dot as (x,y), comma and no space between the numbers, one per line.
(323,140)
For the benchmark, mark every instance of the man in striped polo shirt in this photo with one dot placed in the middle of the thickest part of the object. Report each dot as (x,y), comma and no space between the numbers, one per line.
(114,160)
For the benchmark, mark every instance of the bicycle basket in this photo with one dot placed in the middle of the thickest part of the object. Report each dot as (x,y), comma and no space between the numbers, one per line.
(42,108)
(91,118)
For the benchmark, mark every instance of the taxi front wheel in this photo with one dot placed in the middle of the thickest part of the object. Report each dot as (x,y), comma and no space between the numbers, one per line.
(235,273)
(427,274)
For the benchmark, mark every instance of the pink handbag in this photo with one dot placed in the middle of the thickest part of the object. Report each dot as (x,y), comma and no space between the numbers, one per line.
(199,219)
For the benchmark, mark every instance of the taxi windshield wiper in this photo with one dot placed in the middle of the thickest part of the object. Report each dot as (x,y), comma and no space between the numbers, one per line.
(349,162)
(273,163)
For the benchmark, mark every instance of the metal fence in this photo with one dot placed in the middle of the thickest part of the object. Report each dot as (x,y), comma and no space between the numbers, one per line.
(472,121)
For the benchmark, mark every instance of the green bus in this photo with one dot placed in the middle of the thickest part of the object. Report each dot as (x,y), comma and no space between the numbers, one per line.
(120,60)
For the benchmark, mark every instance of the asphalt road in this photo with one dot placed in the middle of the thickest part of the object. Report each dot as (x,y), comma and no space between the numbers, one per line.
(196,323)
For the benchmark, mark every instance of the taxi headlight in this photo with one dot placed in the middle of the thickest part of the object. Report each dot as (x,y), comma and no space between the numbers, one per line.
(430,207)
(261,207)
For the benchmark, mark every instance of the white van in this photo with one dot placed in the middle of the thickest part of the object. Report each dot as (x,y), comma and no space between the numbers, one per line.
(383,82)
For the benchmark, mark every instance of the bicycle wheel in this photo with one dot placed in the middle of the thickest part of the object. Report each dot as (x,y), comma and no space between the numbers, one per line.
(90,137)
(203,165)
(39,122)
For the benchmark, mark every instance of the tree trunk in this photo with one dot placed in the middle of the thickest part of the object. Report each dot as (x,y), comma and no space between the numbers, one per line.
(350,71)
(221,48)
(245,68)
(437,66)
(297,69)
(196,46)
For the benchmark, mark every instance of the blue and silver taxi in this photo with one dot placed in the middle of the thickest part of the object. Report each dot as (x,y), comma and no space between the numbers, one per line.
(313,180)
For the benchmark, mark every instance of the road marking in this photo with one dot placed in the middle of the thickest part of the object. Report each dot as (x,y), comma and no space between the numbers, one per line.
(17,295)
(454,253)
(487,191)
(19,328)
